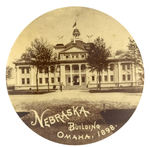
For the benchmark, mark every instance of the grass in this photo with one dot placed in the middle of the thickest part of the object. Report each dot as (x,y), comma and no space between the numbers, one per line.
(97,114)
(105,108)
(137,89)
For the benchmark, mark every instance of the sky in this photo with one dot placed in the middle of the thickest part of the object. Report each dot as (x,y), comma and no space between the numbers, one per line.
(60,23)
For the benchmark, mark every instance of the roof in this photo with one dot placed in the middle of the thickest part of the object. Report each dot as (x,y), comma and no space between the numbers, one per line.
(59,46)
(80,46)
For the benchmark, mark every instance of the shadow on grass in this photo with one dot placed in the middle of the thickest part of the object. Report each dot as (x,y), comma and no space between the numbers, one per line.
(120,89)
(28,92)
(117,116)
(22,114)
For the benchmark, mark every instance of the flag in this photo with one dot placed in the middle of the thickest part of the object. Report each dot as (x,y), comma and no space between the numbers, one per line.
(74,24)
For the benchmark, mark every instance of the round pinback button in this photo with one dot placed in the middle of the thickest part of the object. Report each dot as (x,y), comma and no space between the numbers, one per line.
(75,75)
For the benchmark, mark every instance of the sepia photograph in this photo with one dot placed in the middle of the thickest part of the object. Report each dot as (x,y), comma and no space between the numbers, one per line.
(75,75)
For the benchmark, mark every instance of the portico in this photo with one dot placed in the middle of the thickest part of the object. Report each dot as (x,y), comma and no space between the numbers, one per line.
(75,74)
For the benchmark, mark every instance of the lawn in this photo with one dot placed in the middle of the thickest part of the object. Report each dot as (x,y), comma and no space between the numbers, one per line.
(107,113)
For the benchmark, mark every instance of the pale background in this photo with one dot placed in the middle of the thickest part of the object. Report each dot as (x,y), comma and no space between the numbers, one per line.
(16,15)
(59,23)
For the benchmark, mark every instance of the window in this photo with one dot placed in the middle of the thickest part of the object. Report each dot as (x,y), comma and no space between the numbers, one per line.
(23,81)
(128,66)
(69,79)
(123,77)
(93,78)
(129,77)
(61,56)
(83,79)
(76,56)
(52,80)
(28,70)
(82,56)
(67,56)
(58,79)
(112,78)
(28,81)
(111,67)
(22,70)
(83,67)
(46,70)
(46,80)
(123,67)
(40,80)
(75,67)
(58,68)
(52,69)
(106,78)
(106,68)
(67,68)
(40,70)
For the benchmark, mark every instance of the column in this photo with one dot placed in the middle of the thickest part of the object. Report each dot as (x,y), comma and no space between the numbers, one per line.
(62,74)
(55,77)
(80,74)
(71,80)
(102,78)
(119,72)
(49,78)
(34,70)
(86,74)
(18,76)
(108,73)
(30,72)
(133,73)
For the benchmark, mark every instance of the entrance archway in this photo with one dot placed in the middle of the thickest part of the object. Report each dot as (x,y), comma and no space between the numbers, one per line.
(76,80)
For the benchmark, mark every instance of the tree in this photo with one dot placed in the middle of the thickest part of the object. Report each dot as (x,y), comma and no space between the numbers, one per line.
(134,53)
(47,60)
(8,72)
(97,57)
(39,54)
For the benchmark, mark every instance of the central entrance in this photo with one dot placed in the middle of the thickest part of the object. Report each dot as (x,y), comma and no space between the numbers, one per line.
(76,80)
(75,75)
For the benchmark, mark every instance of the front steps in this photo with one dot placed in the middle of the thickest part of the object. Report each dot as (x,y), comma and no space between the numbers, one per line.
(76,87)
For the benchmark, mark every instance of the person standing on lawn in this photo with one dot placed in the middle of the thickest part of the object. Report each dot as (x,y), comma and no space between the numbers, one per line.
(61,86)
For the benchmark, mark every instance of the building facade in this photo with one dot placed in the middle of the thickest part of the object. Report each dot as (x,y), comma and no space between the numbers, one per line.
(72,70)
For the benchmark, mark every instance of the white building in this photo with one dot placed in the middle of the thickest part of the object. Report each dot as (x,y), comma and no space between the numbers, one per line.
(72,70)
